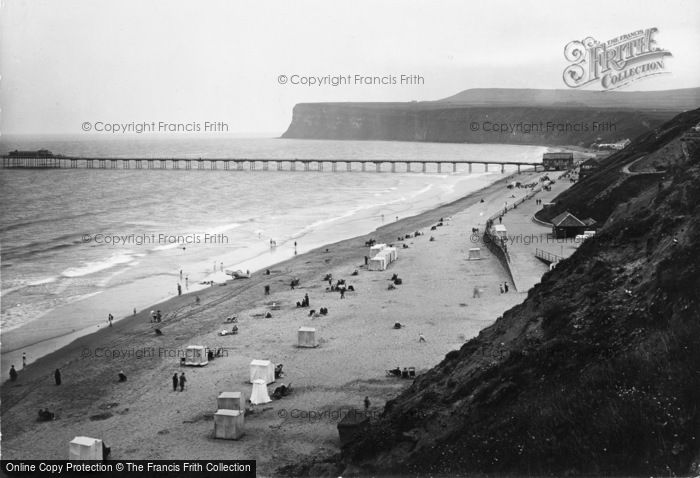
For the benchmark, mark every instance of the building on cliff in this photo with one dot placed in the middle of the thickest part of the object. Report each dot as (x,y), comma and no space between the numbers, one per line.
(558,161)
(567,225)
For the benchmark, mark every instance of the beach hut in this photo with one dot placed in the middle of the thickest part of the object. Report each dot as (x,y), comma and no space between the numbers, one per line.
(306,337)
(229,424)
(85,448)
(377,263)
(259,393)
(375,249)
(196,355)
(231,401)
(351,426)
(392,252)
(262,369)
(474,254)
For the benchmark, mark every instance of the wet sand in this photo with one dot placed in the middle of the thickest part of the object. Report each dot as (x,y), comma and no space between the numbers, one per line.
(144,419)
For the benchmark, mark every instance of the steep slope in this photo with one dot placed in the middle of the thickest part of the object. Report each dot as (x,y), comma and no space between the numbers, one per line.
(597,371)
(598,194)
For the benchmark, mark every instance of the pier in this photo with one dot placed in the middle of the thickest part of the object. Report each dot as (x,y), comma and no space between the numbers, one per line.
(250,164)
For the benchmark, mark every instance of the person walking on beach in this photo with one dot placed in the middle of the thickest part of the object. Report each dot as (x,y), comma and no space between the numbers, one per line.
(24,359)
(182,381)
(179,289)
(180,274)
(476,293)
(187,279)
(110,318)
(306,300)
(505,286)
(57,376)
(367,403)
(175,382)
(501,286)
(267,290)
(421,338)
(13,373)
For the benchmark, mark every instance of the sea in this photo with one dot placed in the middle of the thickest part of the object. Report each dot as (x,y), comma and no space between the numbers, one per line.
(79,244)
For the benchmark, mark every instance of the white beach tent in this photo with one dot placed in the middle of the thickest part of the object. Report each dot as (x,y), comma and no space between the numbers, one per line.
(474,253)
(393,253)
(231,401)
(259,394)
(262,369)
(377,263)
(196,355)
(306,337)
(376,249)
(229,424)
(85,448)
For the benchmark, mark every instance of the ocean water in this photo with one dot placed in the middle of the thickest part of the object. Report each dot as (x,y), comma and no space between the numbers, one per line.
(76,245)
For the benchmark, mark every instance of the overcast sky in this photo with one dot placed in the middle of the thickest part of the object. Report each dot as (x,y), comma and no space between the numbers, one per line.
(64,62)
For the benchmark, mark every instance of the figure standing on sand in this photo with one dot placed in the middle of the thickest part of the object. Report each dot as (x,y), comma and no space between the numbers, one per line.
(421,338)
(175,382)
(57,376)
(24,359)
(501,286)
(110,318)
(13,373)
(182,381)
(222,267)
(187,279)
(179,289)
(505,287)
(476,293)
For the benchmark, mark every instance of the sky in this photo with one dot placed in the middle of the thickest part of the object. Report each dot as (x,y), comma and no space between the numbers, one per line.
(67,62)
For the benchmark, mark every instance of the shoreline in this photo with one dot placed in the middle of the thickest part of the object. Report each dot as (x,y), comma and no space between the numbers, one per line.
(43,345)
(356,347)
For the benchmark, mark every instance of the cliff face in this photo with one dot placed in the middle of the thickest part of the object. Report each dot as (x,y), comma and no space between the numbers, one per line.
(444,122)
(596,372)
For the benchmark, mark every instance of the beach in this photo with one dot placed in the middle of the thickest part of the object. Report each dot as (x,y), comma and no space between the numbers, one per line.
(143,418)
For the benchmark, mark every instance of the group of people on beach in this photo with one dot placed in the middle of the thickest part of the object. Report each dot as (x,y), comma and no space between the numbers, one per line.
(179,381)
(504,288)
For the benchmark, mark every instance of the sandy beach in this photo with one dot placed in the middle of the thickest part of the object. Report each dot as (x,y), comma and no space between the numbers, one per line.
(144,419)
